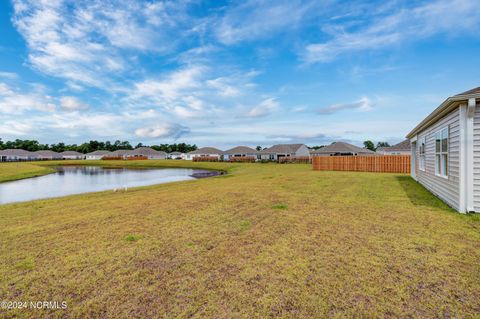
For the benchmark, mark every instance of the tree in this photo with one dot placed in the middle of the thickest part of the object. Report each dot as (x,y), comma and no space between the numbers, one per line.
(1,144)
(383,144)
(369,145)
(258,148)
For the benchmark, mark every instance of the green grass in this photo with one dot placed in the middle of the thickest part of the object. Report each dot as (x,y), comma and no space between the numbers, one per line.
(343,245)
(14,171)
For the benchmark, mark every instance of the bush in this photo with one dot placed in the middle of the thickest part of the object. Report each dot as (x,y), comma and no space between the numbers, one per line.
(206,159)
(295,160)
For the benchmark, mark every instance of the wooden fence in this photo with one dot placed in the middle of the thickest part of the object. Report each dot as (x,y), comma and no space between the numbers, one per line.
(379,164)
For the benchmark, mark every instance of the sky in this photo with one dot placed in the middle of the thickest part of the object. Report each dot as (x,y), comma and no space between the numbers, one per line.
(227,73)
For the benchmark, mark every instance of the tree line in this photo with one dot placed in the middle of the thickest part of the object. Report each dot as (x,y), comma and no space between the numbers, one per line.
(91,146)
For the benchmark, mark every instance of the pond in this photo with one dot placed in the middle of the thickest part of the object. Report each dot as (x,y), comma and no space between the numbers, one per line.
(69,180)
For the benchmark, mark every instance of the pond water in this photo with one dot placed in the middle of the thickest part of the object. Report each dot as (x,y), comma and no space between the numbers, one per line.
(68,180)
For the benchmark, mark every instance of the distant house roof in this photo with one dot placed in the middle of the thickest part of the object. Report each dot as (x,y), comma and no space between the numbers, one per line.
(71,153)
(400,147)
(146,151)
(17,152)
(99,152)
(48,153)
(120,152)
(446,107)
(241,150)
(342,148)
(176,153)
(207,150)
(282,149)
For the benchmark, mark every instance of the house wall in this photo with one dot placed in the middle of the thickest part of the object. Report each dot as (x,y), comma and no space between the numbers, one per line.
(476,158)
(446,189)
(302,151)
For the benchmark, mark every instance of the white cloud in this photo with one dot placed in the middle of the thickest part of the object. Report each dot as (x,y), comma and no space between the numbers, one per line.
(363,105)
(94,42)
(15,128)
(266,107)
(71,103)
(13,101)
(452,17)
(261,19)
(9,75)
(165,130)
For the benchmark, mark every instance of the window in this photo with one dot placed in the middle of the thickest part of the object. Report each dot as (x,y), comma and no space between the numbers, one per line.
(441,152)
(421,151)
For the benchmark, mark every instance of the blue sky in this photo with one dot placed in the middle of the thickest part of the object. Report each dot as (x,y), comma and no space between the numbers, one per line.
(231,73)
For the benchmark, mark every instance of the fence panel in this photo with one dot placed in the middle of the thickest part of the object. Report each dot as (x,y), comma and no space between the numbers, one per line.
(378,164)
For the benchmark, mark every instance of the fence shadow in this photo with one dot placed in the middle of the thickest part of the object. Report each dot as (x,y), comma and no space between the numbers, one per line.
(419,195)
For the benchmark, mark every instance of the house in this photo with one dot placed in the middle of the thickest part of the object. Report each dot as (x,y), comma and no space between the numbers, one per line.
(15,155)
(342,149)
(402,148)
(175,155)
(445,149)
(72,155)
(96,155)
(148,152)
(119,153)
(240,151)
(204,152)
(283,150)
(48,155)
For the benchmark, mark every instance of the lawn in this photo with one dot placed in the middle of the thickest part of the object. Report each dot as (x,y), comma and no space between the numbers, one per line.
(263,241)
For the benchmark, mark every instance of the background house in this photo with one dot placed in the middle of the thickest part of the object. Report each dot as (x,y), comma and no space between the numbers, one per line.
(239,151)
(175,155)
(148,152)
(13,155)
(72,155)
(445,150)
(342,149)
(204,152)
(48,155)
(96,155)
(119,153)
(402,148)
(283,150)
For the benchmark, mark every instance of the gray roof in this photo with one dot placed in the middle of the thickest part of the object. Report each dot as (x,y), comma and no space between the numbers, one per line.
(17,152)
(241,150)
(472,91)
(48,153)
(282,149)
(176,153)
(402,146)
(146,151)
(342,148)
(207,150)
(100,152)
(71,153)
(120,152)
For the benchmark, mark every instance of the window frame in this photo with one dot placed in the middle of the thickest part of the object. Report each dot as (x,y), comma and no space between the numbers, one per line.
(441,155)
(422,162)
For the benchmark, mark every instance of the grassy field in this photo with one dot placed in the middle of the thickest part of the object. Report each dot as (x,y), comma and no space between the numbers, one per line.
(14,171)
(264,241)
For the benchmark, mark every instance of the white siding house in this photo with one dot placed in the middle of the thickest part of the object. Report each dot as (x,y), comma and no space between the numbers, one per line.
(96,155)
(148,152)
(203,152)
(72,155)
(402,148)
(239,151)
(283,150)
(14,155)
(445,150)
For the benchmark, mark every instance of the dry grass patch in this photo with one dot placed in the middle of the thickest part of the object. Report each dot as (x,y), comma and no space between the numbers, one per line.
(348,245)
